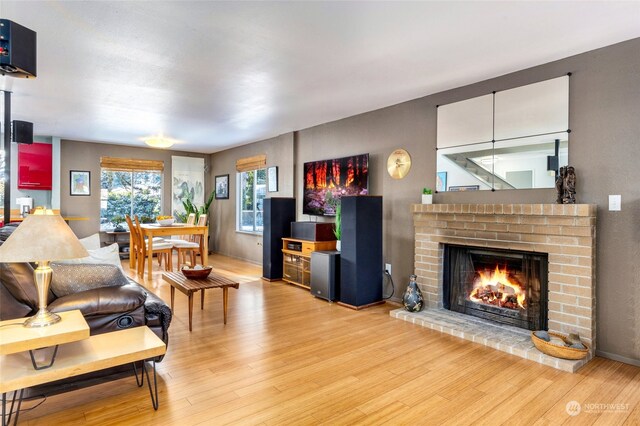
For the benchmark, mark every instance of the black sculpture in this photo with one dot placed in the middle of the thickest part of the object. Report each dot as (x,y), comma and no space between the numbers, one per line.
(566,185)
(560,184)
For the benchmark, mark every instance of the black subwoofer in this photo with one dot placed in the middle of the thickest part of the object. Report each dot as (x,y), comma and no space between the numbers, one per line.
(325,274)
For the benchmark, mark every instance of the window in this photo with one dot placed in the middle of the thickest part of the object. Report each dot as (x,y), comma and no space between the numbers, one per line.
(129,192)
(252,187)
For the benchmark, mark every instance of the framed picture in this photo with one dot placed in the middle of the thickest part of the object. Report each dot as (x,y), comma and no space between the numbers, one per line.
(272,179)
(464,188)
(222,187)
(441,181)
(79,182)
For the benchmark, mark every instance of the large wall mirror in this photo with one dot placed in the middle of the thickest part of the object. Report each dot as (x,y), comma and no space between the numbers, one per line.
(513,139)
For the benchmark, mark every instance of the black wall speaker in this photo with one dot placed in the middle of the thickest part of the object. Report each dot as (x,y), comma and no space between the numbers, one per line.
(18,50)
(278,214)
(22,131)
(361,254)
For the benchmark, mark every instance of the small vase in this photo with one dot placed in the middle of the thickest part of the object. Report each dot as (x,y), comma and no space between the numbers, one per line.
(338,245)
(427,198)
(413,300)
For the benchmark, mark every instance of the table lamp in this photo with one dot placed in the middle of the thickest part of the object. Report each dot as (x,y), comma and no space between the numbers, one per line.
(42,237)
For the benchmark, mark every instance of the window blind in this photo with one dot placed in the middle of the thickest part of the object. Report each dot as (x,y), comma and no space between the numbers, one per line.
(130,164)
(251,163)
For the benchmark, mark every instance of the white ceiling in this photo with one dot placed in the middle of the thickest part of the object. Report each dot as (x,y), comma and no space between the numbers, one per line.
(219,74)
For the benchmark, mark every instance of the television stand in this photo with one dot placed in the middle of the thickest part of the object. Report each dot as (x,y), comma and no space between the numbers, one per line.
(297,259)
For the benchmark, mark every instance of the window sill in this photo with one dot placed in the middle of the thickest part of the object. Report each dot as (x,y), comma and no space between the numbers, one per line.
(256,233)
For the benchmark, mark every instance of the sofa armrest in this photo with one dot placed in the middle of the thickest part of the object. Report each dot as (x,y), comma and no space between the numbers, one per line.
(158,314)
(102,301)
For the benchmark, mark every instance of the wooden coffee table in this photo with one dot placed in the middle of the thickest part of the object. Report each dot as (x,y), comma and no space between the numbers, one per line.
(189,286)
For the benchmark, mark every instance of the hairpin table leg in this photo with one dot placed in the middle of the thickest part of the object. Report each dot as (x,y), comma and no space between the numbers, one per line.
(10,413)
(139,382)
(42,367)
(153,393)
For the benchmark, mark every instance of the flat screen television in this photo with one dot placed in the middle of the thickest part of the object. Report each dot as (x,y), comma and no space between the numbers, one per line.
(326,181)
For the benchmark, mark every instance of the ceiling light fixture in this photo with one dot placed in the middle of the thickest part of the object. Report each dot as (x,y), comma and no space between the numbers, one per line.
(159,141)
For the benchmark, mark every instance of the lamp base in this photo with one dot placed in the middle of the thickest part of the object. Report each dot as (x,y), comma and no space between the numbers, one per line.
(42,318)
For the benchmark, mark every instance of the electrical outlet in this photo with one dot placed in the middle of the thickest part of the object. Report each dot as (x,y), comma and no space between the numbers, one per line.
(387,267)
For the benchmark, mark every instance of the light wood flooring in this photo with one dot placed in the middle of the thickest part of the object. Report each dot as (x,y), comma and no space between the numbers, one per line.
(285,357)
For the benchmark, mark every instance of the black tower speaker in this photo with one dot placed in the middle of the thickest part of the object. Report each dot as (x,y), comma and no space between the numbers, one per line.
(18,50)
(22,131)
(361,254)
(278,214)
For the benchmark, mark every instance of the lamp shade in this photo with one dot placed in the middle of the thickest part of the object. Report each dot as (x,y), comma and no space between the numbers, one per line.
(42,237)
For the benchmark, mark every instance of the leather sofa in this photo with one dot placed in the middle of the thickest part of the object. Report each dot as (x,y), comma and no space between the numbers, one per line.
(105,309)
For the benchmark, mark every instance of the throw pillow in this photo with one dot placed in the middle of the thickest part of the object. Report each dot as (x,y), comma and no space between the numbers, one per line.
(69,278)
(92,242)
(109,254)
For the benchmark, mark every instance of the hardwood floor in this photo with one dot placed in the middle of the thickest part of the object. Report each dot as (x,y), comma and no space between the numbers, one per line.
(285,357)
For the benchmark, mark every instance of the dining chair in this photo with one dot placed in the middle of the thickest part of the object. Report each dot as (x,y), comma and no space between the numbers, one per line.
(135,250)
(191,220)
(134,246)
(189,244)
(162,249)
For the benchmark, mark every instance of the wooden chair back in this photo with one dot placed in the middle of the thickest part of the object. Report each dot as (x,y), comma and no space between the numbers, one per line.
(202,221)
(133,231)
(191,220)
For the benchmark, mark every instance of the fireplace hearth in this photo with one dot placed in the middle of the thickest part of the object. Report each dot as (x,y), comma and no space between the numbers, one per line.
(507,287)
(565,234)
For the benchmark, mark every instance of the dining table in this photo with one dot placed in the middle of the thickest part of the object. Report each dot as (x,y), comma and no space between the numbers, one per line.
(151,230)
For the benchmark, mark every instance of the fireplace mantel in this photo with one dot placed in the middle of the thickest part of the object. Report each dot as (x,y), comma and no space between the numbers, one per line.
(567,233)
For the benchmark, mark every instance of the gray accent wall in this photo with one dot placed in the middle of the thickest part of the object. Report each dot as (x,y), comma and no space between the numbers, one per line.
(77,155)
(604,149)
(224,237)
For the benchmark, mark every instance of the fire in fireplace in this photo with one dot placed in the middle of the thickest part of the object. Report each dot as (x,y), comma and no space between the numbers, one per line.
(504,286)
(498,288)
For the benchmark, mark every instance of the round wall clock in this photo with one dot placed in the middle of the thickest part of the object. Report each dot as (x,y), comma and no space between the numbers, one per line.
(399,163)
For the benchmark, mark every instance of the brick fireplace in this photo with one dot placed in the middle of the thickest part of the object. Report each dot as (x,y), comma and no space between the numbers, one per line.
(565,234)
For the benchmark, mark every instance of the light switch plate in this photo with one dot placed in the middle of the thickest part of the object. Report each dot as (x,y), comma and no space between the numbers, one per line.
(615,203)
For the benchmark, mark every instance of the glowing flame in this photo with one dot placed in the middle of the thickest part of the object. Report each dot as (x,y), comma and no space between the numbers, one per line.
(495,288)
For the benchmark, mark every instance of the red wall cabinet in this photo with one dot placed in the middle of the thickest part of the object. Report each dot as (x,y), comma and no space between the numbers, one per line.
(35,166)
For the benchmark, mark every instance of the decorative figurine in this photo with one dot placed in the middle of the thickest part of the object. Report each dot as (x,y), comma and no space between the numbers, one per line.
(413,300)
(569,186)
(566,185)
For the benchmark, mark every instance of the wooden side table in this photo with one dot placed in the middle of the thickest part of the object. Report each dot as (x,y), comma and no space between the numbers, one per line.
(84,356)
(14,337)
(189,286)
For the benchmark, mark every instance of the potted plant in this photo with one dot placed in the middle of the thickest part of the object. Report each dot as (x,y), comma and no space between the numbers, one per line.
(337,229)
(427,196)
(118,222)
(189,208)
